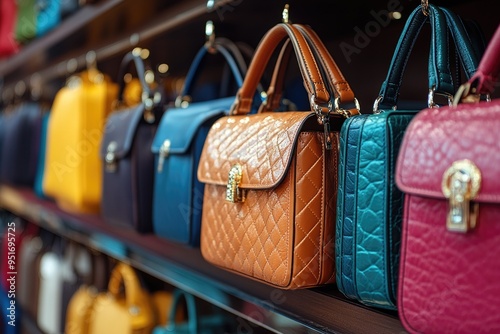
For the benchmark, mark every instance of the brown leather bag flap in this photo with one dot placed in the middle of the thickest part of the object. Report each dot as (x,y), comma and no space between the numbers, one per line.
(263,146)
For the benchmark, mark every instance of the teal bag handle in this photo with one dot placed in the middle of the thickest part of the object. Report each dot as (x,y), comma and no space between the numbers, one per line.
(470,49)
(214,323)
(192,312)
(440,78)
(191,327)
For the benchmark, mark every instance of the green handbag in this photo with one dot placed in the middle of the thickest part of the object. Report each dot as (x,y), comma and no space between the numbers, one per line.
(26,20)
(214,323)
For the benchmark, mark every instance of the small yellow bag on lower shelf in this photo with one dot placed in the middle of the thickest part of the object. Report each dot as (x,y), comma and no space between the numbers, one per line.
(72,164)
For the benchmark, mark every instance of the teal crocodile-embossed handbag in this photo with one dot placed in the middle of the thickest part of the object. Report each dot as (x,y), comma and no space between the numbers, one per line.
(369,205)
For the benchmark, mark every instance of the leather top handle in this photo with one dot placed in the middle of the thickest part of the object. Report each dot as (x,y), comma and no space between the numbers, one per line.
(275,89)
(151,99)
(132,57)
(440,78)
(124,273)
(488,72)
(231,55)
(192,313)
(313,81)
(333,75)
(467,48)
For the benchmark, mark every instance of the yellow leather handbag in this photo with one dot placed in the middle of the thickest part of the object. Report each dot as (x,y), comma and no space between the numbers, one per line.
(72,164)
(127,310)
(79,310)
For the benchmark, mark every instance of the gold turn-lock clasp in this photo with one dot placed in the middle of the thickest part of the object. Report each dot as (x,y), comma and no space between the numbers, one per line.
(233,192)
(461,184)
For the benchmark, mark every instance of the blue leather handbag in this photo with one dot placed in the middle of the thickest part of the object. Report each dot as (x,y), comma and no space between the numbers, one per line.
(177,146)
(369,206)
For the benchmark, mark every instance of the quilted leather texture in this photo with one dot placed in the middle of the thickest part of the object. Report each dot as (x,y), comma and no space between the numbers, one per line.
(263,144)
(283,233)
(449,281)
(368,234)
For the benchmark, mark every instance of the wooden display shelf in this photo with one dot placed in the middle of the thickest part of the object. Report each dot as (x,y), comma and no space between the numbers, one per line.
(321,310)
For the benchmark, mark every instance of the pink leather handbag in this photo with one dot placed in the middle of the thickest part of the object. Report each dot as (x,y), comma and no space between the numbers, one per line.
(449,168)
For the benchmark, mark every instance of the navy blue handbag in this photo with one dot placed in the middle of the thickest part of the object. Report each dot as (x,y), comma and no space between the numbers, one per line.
(20,144)
(177,146)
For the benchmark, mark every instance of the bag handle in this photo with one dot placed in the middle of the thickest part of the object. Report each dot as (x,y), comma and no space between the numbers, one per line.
(275,89)
(150,99)
(123,273)
(440,78)
(487,75)
(317,91)
(331,71)
(192,315)
(135,58)
(334,75)
(468,48)
(231,55)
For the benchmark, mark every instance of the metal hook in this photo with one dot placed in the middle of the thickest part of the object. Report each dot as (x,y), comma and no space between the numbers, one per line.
(91,60)
(210,36)
(36,86)
(286,14)
(425,7)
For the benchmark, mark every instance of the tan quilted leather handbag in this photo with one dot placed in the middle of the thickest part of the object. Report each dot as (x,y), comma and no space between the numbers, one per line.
(271,177)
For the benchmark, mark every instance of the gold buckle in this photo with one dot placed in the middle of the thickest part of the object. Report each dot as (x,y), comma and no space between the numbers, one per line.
(461,184)
(233,193)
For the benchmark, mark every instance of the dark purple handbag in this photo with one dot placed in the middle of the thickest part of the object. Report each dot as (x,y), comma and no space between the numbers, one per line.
(128,164)
(20,145)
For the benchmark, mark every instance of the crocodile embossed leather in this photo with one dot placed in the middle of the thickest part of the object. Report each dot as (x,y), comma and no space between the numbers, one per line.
(370,206)
(448,169)
(271,181)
